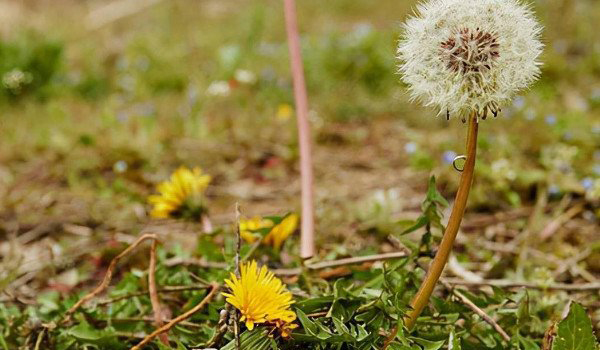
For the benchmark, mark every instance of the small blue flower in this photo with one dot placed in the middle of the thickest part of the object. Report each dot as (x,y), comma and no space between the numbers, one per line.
(551,119)
(553,190)
(120,166)
(587,183)
(449,156)
(597,169)
(519,102)
(410,147)
(568,136)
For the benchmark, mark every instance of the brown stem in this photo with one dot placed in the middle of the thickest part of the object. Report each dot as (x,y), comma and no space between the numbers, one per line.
(421,299)
(178,319)
(307,240)
(489,320)
(152,290)
(238,248)
(108,276)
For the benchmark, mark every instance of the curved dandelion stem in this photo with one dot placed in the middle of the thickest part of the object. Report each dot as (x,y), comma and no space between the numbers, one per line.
(307,240)
(421,299)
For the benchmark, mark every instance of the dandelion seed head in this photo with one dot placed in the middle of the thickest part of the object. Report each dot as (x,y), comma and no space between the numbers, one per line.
(465,56)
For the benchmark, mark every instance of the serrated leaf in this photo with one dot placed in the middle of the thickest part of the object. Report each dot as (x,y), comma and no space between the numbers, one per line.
(309,326)
(575,331)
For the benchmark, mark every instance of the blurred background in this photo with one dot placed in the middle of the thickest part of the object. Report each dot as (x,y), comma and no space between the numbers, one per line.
(101,100)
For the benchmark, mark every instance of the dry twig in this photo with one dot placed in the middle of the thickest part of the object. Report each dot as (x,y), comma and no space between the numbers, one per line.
(468,303)
(582,287)
(108,276)
(238,247)
(296,271)
(154,300)
(214,289)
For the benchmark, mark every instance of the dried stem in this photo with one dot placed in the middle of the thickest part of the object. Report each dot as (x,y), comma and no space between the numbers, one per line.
(168,289)
(468,303)
(307,241)
(581,287)
(214,288)
(238,248)
(152,290)
(108,276)
(296,271)
(421,299)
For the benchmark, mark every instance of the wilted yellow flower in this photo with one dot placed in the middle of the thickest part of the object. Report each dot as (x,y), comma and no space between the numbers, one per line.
(282,231)
(248,226)
(259,296)
(181,195)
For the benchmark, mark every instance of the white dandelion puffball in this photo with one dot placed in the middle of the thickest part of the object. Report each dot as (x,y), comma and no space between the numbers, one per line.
(470,56)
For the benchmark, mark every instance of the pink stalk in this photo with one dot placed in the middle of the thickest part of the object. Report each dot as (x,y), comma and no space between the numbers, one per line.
(307,240)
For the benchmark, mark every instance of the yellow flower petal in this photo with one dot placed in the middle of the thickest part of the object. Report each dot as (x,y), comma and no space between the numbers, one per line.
(282,231)
(259,296)
(183,184)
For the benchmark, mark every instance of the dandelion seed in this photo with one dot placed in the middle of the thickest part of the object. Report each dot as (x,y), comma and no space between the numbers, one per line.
(259,296)
(181,196)
(465,56)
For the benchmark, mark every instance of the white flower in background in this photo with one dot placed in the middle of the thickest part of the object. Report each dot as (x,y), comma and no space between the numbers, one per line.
(15,79)
(245,76)
(465,56)
(218,88)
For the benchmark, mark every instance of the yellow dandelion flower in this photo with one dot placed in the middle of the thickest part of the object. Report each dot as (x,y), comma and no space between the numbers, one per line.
(284,112)
(248,226)
(259,296)
(181,193)
(282,231)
